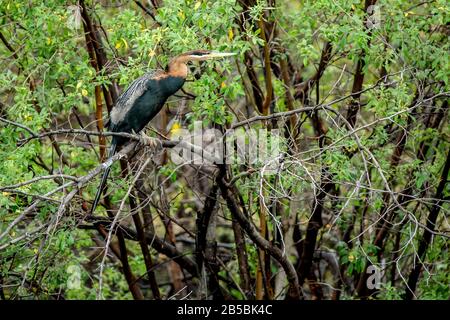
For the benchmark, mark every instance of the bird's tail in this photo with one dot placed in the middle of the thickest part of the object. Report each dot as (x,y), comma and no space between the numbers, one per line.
(112,151)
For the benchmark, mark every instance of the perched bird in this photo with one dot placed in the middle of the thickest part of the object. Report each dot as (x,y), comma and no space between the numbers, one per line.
(145,97)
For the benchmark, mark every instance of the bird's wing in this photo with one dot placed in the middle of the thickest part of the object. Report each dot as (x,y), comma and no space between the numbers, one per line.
(133,92)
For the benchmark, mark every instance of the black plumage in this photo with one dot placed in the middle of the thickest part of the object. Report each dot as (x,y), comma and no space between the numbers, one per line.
(142,101)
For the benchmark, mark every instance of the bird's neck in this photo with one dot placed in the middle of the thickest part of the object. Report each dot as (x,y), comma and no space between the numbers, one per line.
(178,68)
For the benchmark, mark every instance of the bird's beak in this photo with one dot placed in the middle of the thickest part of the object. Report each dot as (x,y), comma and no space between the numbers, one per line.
(214,55)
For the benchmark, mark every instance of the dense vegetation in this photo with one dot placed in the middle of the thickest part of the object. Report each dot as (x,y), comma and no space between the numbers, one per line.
(353,96)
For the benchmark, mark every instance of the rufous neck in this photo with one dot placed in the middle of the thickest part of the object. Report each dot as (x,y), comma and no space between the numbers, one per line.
(178,68)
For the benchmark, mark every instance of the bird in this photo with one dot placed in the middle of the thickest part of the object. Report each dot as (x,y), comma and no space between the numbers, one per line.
(144,98)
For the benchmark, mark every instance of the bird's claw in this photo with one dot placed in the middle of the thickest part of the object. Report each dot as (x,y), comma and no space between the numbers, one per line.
(149,141)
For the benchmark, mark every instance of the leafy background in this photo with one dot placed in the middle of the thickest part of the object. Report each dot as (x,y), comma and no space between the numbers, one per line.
(327,202)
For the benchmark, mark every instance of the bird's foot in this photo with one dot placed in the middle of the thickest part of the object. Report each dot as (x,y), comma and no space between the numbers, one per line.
(149,141)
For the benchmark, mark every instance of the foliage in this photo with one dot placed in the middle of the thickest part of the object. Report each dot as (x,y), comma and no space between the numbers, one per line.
(334,187)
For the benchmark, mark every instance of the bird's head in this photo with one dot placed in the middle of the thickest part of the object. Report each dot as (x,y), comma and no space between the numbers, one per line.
(201,55)
(177,65)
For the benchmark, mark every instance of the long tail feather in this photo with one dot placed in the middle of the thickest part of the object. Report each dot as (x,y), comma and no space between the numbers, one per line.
(112,151)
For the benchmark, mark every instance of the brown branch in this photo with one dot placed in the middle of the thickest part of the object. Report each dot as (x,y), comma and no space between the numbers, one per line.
(149,265)
(147,11)
(288,95)
(142,240)
(314,224)
(98,99)
(203,248)
(99,121)
(256,237)
(405,195)
(19,126)
(129,276)
(242,257)
(428,232)
(8,46)
(110,92)
(206,244)
(301,90)
(258,96)
(358,79)
(267,70)
(152,240)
